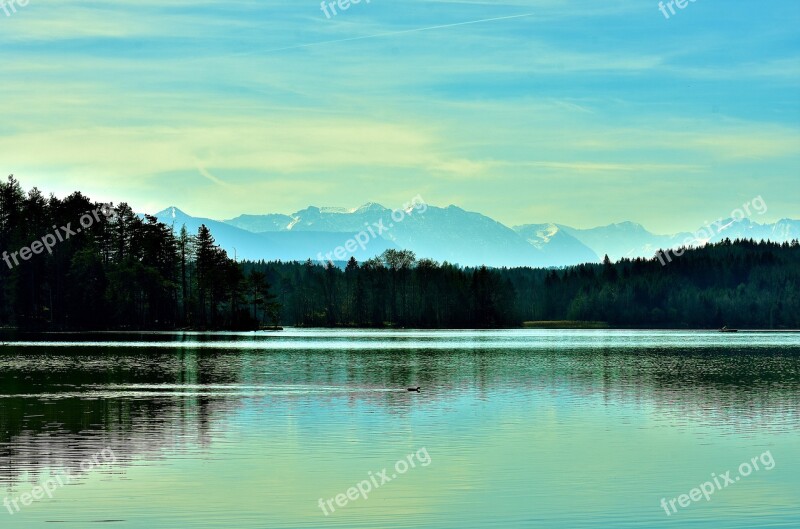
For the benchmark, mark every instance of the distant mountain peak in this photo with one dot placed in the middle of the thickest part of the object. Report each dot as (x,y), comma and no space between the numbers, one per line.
(369,206)
(456,235)
(171,212)
(628,225)
(337,210)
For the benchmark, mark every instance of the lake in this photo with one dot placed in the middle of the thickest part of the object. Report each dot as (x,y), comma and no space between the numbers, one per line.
(510,429)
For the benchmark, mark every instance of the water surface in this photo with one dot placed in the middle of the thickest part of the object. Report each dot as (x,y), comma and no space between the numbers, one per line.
(528,428)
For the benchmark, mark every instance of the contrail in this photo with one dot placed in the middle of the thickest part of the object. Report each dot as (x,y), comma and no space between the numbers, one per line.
(390,33)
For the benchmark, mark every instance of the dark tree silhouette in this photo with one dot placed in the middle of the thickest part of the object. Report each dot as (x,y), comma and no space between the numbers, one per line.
(132,272)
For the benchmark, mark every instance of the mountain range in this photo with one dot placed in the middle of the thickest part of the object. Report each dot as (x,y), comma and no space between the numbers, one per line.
(449,234)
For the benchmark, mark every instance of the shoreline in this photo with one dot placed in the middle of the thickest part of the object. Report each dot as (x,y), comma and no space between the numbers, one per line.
(10,332)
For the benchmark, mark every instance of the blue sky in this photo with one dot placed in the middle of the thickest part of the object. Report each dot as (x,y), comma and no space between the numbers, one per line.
(581,112)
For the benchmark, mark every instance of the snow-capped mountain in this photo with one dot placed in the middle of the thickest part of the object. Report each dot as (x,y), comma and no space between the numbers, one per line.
(561,248)
(444,234)
(271,246)
(783,230)
(452,234)
(624,239)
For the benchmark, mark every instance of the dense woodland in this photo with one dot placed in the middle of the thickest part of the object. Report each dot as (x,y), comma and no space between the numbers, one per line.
(132,272)
(738,284)
(124,272)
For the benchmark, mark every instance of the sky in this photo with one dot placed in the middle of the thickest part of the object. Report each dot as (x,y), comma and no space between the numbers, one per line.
(584,112)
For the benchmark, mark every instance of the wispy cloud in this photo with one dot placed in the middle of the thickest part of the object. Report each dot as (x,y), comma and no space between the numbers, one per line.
(512,108)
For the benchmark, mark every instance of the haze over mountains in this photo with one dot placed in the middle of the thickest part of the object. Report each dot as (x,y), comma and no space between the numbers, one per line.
(449,234)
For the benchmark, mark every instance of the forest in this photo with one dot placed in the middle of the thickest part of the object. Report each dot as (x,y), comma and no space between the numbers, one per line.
(131,272)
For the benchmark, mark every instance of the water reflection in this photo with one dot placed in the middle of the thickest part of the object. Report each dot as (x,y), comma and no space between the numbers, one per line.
(67,397)
(59,403)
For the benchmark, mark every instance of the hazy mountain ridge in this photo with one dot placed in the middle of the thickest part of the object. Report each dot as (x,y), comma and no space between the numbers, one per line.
(561,247)
(444,234)
(454,235)
(624,239)
(270,246)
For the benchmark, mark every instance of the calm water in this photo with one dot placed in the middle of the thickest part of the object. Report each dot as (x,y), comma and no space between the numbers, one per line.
(521,429)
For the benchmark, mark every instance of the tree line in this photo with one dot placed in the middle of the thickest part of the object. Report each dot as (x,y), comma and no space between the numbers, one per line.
(739,283)
(124,272)
(133,272)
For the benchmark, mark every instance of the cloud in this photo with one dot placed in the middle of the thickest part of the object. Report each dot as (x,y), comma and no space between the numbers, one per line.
(253,104)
